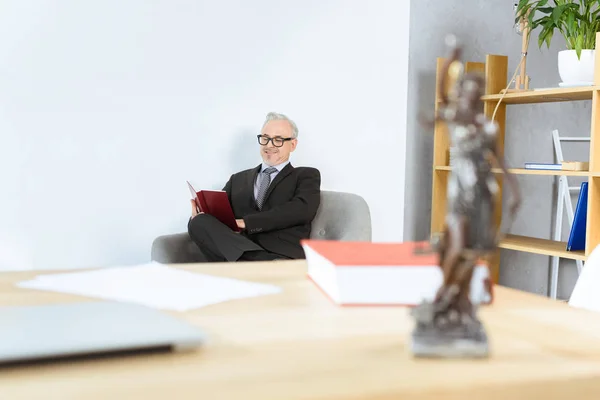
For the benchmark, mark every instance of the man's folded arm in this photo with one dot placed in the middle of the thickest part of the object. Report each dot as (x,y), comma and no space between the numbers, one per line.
(298,211)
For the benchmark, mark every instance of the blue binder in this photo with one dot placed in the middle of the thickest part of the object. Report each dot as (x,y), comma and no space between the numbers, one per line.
(577,236)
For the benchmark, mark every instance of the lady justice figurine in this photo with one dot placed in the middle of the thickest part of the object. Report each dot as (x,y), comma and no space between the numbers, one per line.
(449,327)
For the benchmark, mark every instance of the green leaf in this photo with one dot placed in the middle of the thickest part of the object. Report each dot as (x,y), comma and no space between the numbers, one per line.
(549,38)
(556,13)
(546,10)
(571,23)
(579,45)
(546,35)
(596,11)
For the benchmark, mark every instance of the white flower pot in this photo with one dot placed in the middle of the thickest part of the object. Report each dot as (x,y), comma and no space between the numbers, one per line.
(574,71)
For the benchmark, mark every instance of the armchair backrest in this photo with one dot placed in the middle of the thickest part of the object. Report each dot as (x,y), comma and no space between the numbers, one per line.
(342,216)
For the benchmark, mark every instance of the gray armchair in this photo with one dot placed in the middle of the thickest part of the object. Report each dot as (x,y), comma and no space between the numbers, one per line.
(341,216)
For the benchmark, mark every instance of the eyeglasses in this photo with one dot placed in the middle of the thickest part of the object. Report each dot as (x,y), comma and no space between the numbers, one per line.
(277,141)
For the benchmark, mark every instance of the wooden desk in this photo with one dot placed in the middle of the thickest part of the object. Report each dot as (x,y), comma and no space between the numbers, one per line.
(297,345)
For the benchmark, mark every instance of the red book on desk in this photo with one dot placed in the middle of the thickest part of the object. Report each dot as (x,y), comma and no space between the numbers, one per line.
(215,203)
(367,273)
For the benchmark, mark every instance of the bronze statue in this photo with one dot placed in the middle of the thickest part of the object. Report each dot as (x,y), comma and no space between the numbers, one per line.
(449,326)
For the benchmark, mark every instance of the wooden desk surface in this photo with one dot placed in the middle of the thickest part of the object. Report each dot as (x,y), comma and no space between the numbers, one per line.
(298,345)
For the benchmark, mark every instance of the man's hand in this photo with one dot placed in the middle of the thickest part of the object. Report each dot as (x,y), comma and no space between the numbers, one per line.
(195,210)
(240,223)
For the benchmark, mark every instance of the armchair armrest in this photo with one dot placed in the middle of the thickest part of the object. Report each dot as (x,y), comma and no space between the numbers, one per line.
(175,248)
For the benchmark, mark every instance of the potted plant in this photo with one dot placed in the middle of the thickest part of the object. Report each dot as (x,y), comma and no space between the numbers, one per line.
(577,21)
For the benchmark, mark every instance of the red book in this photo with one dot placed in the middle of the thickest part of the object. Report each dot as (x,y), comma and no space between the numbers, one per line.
(366,273)
(215,203)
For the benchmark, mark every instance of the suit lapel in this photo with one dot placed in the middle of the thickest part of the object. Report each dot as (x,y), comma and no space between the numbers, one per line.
(252,178)
(278,178)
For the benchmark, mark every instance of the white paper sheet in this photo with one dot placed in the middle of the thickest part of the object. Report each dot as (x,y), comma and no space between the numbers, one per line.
(585,294)
(153,285)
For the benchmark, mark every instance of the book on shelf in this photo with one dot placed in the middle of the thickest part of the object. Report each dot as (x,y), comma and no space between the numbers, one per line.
(544,166)
(215,203)
(563,166)
(367,273)
(577,235)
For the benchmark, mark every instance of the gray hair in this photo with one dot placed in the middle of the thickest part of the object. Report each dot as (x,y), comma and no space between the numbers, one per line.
(273,116)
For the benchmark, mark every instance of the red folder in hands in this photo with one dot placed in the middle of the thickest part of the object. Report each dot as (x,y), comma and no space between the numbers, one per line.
(215,203)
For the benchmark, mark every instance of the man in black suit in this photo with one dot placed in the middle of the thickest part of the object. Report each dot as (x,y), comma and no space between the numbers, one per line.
(274,204)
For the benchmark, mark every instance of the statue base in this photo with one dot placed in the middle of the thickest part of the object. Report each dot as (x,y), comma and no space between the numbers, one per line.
(447,334)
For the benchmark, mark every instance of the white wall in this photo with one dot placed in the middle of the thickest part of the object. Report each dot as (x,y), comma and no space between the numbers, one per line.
(106,108)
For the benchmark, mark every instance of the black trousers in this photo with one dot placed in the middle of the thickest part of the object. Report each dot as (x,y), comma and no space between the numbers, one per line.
(219,243)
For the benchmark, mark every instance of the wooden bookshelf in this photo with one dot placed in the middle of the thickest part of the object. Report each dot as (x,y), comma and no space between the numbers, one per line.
(540,246)
(523,171)
(544,95)
(495,69)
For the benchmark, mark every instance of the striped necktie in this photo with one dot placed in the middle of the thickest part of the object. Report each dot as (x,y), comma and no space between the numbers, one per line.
(265,181)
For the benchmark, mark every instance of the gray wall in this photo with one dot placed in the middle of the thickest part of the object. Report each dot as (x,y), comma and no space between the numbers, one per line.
(485,27)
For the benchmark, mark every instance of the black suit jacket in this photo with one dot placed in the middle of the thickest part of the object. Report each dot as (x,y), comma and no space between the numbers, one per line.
(290,205)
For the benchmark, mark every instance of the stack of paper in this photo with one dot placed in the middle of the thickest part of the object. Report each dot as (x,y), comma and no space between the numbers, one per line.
(154,285)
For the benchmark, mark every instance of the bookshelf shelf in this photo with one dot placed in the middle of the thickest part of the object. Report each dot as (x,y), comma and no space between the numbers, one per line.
(495,69)
(540,246)
(523,171)
(544,95)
